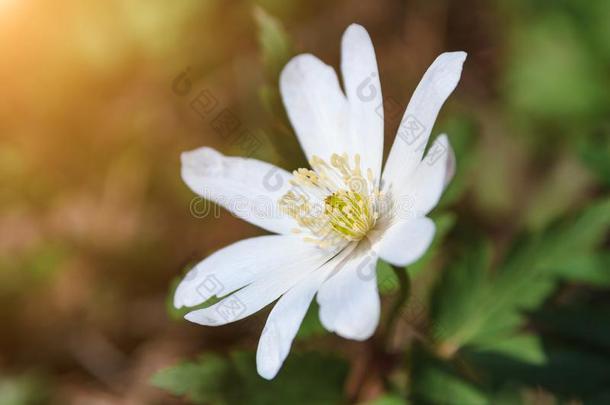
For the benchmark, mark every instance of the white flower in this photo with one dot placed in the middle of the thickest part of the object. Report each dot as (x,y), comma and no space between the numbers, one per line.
(332,221)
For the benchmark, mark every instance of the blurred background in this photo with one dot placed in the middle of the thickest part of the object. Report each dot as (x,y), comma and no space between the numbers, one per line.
(510,306)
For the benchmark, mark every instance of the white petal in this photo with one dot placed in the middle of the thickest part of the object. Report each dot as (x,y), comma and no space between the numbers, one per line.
(248,188)
(261,292)
(424,188)
(437,84)
(315,105)
(283,324)
(349,300)
(238,265)
(406,241)
(363,90)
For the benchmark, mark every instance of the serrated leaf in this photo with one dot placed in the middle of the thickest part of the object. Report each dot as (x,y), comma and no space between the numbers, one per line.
(523,347)
(593,269)
(573,237)
(486,311)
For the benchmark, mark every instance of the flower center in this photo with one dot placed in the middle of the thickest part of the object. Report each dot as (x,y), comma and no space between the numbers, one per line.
(333,201)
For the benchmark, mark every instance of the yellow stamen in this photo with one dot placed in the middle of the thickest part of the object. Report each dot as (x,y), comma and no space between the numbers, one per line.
(334,202)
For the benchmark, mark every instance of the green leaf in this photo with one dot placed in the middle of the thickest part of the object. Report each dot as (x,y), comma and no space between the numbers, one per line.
(310,378)
(572,237)
(456,309)
(476,307)
(440,387)
(525,347)
(436,383)
(593,269)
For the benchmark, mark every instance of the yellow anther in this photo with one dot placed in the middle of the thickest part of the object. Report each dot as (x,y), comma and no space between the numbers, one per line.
(334,202)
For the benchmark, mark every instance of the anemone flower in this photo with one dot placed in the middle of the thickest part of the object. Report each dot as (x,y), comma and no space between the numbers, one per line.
(332,221)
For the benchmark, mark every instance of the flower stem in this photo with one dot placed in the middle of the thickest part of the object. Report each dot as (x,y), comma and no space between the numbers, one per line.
(401,300)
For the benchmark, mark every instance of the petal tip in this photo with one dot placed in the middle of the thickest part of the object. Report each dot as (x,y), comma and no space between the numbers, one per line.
(356,37)
(196,317)
(457,57)
(460,55)
(443,138)
(202,161)
(177,302)
(452,60)
(297,69)
(446,70)
(189,317)
(268,373)
(356,29)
